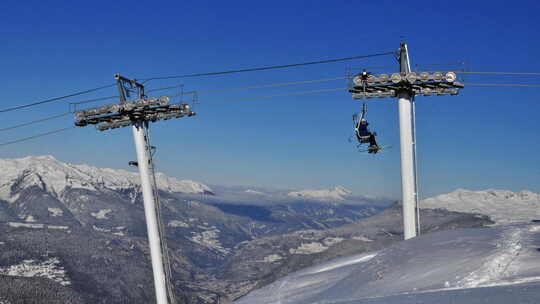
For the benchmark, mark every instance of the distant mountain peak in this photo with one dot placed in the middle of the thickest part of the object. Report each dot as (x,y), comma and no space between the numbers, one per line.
(251,191)
(48,173)
(337,194)
(502,206)
(41,157)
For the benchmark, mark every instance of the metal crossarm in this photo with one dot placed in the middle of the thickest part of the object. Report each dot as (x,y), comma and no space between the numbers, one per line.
(104,118)
(366,85)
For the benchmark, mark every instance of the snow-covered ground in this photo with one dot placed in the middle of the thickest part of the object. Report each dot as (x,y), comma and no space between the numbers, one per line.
(177,223)
(101,214)
(272,258)
(420,270)
(502,206)
(36,226)
(209,238)
(316,247)
(55,212)
(50,269)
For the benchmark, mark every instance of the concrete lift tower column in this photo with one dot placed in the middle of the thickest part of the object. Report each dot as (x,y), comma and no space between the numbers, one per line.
(138,114)
(405,85)
(408,174)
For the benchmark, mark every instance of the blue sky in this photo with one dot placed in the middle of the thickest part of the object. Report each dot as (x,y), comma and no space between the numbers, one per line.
(484,138)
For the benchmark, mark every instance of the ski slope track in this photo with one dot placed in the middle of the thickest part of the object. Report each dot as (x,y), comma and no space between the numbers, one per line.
(502,206)
(488,265)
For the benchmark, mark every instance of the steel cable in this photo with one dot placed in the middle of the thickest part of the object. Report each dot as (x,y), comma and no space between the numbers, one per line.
(35,136)
(55,99)
(266,67)
(35,121)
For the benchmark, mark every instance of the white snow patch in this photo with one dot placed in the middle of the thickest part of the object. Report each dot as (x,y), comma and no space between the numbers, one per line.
(334,265)
(337,194)
(25,225)
(101,214)
(534,228)
(250,191)
(58,227)
(272,258)
(30,219)
(362,238)
(177,223)
(119,231)
(99,229)
(49,269)
(331,241)
(308,248)
(55,212)
(209,239)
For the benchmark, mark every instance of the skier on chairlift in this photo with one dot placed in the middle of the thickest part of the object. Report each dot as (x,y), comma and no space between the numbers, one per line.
(373,147)
(363,135)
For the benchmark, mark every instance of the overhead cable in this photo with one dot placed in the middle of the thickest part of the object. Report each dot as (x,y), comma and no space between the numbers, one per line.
(499,73)
(35,136)
(271,85)
(165,88)
(444,63)
(503,85)
(262,86)
(267,67)
(277,95)
(55,99)
(93,100)
(35,121)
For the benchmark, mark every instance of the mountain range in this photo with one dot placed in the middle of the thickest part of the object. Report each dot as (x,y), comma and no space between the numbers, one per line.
(87,223)
(77,233)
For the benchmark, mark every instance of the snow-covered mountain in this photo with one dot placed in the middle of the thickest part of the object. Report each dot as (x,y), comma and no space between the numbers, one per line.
(55,177)
(339,193)
(232,241)
(502,206)
(65,210)
(429,267)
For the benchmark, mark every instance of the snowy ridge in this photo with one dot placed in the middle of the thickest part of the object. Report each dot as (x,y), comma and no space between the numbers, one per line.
(502,206)
(251,191)
(337,194)
(55,177)
(437,262)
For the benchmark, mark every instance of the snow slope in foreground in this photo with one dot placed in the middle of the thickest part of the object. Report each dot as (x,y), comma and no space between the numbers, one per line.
(502,206)
(447,263)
